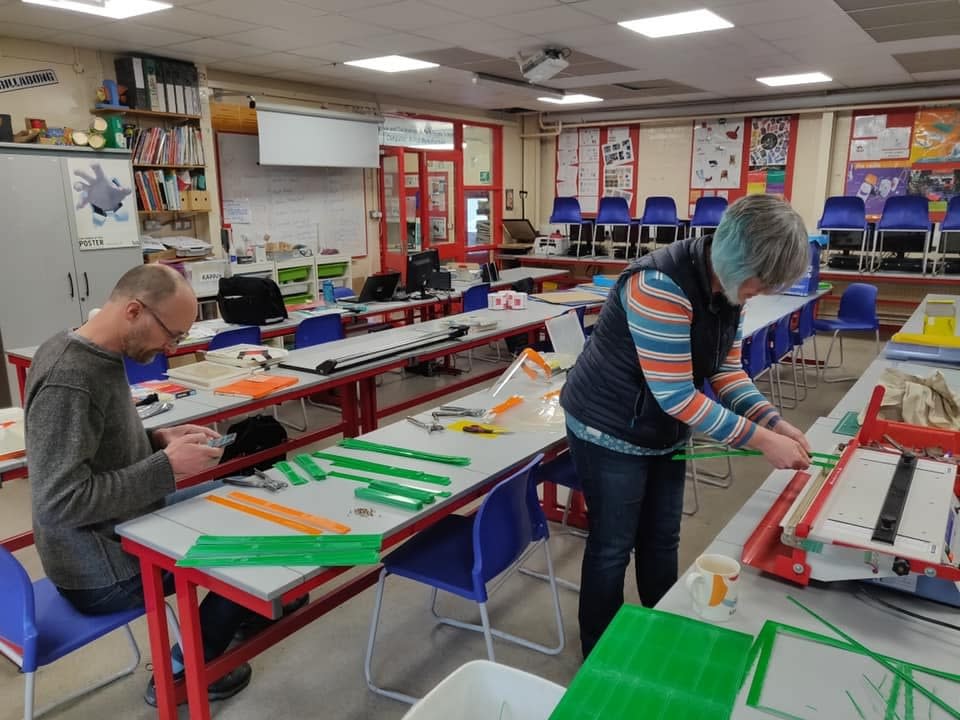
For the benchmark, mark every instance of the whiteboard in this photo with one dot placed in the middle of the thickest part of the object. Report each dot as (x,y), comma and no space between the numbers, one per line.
(312,206)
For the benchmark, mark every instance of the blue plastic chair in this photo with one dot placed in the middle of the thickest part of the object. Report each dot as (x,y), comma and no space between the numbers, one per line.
(475,297)
(613,211)
(247,335)
(156,369)
(660,211)
(707,213)
(755,356)
(904,214)
(460,555)
(799,335)
(843,213)
(313,331)
(38,627)
(857,313)
(780,345)
(566,211)
(950,224)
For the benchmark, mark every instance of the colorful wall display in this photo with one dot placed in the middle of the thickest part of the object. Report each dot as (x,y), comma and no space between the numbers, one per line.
(769,141)
(874,183)
(936,136)
(717,153)
(597,162)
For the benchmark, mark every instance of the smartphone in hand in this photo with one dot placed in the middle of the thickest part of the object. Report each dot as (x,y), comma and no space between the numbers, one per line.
(223,440)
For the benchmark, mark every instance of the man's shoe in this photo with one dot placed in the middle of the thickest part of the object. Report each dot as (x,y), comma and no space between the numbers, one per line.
(257,623)
(227,686)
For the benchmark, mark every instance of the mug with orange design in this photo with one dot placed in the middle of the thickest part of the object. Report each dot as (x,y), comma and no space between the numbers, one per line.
(714,587)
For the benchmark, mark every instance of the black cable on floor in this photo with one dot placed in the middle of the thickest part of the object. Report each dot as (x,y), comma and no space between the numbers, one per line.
(910,613)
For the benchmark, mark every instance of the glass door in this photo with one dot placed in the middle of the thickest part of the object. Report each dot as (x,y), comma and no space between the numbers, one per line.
(394,222)
(441,180)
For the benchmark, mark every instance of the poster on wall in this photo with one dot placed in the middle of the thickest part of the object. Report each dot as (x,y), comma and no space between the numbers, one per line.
(717,153)
(875,183)
(938,186)
(594,163)
(769,141)
(104,203)
(568,162)
(771,181)
(872,139)
(936,136)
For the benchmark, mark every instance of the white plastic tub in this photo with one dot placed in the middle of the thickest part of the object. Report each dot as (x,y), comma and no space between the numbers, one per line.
(482,690)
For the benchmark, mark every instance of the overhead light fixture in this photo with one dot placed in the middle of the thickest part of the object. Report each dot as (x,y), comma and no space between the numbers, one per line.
(392,64)
(572,99)
(113,9)
(485,79)
(798,79)
(682,23)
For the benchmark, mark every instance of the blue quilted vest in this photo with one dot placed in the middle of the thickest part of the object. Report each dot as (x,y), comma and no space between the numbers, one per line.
(606,389)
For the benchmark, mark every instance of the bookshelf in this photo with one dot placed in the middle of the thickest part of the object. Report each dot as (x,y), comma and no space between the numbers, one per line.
(143,113)
(147,166)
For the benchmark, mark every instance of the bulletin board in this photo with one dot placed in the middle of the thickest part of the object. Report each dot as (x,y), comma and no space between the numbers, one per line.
(906,151)
(735,156)
(598,162)
(318,207)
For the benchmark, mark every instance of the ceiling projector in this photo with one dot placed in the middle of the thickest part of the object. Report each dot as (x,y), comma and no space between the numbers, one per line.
(544,65)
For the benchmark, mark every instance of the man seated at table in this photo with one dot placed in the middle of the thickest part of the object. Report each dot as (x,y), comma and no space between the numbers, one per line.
(92,464)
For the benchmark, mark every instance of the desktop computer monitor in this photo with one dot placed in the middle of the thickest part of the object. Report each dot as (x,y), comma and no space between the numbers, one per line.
(420,266)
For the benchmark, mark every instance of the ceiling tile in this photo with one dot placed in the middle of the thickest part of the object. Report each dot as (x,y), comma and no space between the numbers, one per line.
(907,14)
(755,12)
(399,43)
(619,10)
(915,30)
(18,12)
(283,61)
(850,5)
(269,38)
(490,8)
(26,32)
(194,23)
(406,15)
(134,35)
(337,52)
(536,22)
(929,60)
(280,13)
(75,39)
(334,6)
(455,57)
(336,28)
(211,47)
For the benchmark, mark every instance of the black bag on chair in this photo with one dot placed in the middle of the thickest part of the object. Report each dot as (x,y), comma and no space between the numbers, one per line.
(250,301)
(254,434)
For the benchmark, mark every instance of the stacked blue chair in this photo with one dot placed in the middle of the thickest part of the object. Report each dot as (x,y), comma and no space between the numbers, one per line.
(38,627)
(799,335)
(475,298)
(755,356)
(613,212)
(658,212)
(845,214)
(949,225)
(780,344)
(707,213)
(857,313)
(566,211)
(460,555)
(247,335)
(156,369)
(904,214)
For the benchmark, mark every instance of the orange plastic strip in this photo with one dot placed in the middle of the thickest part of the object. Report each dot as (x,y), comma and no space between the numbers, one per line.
(510,402)
(320,522)
(263,515)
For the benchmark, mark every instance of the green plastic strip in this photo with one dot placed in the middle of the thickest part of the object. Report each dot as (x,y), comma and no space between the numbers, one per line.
(312,469)
(848,425)
(892,667)
(397,489)
(749,453)
(368,493)
(372,481)
(355,444)
(305,543)
(392,471)
(290,474)
(326,559)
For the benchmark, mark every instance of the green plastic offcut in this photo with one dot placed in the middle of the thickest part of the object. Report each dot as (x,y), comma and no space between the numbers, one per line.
(326,550)
(653,664)
(290,474)
(828,462)
(373,481)
(300,542)
(848,425)
(391,470)
(424,496)
(399,501)
(333,558)
(307,464)
(355,444)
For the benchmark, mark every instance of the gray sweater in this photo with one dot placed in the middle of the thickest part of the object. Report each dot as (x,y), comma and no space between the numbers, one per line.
(91,462)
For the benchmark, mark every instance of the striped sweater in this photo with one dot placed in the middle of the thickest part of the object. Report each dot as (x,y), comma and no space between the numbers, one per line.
(659,316)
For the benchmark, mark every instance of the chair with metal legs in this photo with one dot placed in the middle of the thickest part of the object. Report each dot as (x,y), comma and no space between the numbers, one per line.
(706,214)
(706,477)
(857,313)
(460,555)
(312,331)
(799,336)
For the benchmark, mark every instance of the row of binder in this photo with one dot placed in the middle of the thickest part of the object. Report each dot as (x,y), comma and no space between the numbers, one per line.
(159,84)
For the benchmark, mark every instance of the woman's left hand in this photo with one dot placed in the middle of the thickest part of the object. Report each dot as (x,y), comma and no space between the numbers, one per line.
(786,429)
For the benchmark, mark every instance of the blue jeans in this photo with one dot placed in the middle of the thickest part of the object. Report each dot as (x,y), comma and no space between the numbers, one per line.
(634,502)
(219,617)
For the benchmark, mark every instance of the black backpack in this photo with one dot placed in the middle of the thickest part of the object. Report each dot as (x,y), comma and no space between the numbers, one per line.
(250,301)
(253,435)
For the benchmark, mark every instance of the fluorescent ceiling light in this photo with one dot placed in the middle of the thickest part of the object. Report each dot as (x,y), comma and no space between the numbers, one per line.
(114,9)
(682,23)
(798,79)
(572,99)
(391,64)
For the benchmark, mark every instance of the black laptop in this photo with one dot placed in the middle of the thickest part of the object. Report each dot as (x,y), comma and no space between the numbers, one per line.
(377,288)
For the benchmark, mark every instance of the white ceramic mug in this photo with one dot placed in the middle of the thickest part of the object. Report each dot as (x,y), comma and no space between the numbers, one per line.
(714,586)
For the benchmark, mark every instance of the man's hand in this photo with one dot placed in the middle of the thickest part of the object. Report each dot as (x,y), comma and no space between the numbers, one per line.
(164,436)
(189,454)
(787,430)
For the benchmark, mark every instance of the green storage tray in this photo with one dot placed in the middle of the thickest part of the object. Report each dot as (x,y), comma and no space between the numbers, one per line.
(294,274)
(328,270)
(658,666)
(298,299)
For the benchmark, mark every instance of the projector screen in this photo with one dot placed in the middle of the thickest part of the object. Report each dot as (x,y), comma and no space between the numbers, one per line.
(309,140)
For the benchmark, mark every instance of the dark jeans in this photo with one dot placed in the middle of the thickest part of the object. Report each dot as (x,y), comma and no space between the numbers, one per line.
(219,617)
(634,502)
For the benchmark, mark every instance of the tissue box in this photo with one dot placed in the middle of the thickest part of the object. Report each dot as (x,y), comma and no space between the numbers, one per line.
(507,300)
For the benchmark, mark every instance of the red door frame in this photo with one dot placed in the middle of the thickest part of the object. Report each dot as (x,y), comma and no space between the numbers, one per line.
(449,252)
(389,259)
